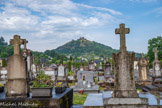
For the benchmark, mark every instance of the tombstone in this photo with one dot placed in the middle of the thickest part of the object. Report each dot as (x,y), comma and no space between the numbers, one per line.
(16,72)
(85,78)
(107,69)
(91,66)
(62,75)
(124,93)
(156,65)
(33,69)
(144,74)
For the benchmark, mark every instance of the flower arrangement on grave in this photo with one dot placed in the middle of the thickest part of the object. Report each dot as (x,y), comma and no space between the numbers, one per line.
(59,88)
(42,80)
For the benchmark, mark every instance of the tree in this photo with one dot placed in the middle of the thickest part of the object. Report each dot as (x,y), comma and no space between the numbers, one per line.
(154,43)
(4,64)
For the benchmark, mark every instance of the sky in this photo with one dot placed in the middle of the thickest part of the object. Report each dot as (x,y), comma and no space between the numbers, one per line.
(48,24)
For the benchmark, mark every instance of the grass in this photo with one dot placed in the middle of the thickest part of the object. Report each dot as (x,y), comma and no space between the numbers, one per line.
(79,99)
(140,90)
(71,84)
(101,88)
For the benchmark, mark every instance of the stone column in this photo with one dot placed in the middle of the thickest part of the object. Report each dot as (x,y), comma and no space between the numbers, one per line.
(16,72)
(156,65)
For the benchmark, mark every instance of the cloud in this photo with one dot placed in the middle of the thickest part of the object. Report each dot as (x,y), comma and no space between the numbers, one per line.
(52,22)
(144,1)
(158,11)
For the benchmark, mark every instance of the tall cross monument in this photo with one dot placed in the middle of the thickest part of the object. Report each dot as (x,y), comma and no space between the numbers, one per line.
(16,84)
(124,93)
(123,68)
(122,31)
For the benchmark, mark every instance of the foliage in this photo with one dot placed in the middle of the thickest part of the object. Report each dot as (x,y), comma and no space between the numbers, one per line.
(69,66)
(4,64)
(59,84)
(154,43)
(79,99)
(1,85)
(42,80)
(5,49)
(85,47)
(70,73)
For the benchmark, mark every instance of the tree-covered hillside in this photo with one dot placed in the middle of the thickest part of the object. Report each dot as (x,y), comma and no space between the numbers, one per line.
(5,49)
(83,46)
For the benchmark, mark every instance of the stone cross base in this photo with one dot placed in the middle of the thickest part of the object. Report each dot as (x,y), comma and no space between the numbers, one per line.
(143,83)
(16,85)
(125,93)
(125,103)
(16,88)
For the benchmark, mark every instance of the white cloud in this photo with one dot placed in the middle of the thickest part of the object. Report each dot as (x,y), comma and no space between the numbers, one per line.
(158,11)
(144,1)
(52,21)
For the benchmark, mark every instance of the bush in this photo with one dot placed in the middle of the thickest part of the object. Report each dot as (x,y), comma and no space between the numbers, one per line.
(42,80)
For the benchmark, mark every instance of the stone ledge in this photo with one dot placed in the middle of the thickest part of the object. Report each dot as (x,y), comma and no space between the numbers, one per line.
(129,101)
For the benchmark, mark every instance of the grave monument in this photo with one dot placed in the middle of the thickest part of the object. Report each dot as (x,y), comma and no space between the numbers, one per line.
(124,94)
(62,75)
(143,68)
(156,66)
(107,69)
(16,71)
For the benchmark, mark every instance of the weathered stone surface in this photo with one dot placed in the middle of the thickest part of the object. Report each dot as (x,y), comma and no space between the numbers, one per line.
(126,103)
(124,68)
(156,65)
(16,42)
(143,67)
(16,72)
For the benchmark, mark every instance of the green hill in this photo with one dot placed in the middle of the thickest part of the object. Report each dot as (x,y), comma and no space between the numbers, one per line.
(83,46)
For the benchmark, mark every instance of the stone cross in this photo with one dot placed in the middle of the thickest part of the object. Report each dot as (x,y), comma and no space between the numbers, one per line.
(156,53)
(143,57)
(25,42)
(16,42)
(122,31)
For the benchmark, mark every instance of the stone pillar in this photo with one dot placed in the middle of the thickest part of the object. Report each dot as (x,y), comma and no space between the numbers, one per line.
(16,72)
(144,74)
(156,65)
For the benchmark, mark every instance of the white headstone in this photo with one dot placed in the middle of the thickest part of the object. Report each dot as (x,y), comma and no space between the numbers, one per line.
(61,70)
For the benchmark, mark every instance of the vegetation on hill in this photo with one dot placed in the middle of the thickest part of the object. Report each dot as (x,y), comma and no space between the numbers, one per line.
(5,49)
(83,46)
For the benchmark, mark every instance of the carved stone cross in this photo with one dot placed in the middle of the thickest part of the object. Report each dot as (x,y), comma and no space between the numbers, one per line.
(122,31)
(16,42)
(156,53)
(25,42)
(143,57)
